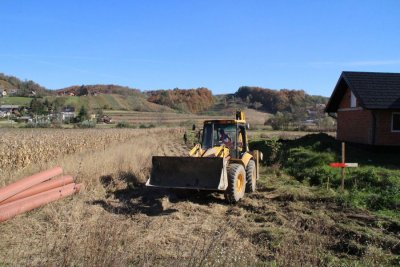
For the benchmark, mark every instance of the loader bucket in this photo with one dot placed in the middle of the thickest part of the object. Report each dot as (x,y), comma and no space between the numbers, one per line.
(189,173)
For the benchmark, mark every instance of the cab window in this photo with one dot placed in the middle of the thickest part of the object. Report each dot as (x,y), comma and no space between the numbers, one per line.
(207,136)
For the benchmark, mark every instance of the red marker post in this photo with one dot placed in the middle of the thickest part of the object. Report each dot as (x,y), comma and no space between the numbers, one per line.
(342,165)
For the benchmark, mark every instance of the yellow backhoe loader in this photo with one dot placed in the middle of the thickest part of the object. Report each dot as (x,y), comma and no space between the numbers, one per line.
(221,162)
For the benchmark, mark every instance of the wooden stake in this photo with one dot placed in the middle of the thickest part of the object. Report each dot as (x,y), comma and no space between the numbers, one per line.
(343,161)
(327,183)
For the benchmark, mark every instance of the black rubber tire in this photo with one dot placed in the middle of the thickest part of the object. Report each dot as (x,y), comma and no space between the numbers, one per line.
(236,183)
(251,177)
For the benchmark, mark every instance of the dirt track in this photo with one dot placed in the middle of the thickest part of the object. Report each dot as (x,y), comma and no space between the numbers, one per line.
(118,221)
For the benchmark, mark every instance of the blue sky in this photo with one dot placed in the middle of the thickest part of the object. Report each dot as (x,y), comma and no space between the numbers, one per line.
(220,45)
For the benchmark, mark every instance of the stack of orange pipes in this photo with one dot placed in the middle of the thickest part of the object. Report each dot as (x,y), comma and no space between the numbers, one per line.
(35,191)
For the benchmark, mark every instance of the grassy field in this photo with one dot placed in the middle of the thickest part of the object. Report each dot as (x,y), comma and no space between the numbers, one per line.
(136,110)
(15,100)
(112,102)
(156,118)
(256,118)
(117,221)
(103,101)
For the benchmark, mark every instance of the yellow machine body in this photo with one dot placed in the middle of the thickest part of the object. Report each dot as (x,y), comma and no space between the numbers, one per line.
(205,168)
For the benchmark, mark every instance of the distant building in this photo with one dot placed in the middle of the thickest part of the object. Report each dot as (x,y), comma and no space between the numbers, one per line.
(8,107)
(24,119)
(68,113)
(13,92)
(367,107)
(309,123)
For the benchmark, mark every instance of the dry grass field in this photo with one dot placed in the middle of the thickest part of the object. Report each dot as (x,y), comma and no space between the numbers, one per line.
(163,118)
(116,221)
(173,118)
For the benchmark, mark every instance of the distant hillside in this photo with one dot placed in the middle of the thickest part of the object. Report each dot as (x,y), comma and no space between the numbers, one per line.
(198,101)
(110,102)
(188,100)
(17,87)
(80,90)
(272,101)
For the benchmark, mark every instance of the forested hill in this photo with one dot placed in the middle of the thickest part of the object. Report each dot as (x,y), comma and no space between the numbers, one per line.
(80,90)
(191,100)
(17,87)
(199,100)
(272,101)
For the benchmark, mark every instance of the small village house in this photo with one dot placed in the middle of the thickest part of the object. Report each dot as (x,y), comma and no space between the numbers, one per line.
(367,108)
(8,108)
(13,92)
(68,114)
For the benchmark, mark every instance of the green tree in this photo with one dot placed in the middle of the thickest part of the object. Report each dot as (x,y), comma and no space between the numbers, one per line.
(280,121)
(99,114)
(83,114)
(83,90)
(58,104)
(37,107)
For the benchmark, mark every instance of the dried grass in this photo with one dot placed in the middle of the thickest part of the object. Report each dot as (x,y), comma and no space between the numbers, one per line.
(116,221)
(79,231)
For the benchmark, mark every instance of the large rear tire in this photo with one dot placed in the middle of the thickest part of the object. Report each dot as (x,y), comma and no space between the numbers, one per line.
(236,183)
(251,177)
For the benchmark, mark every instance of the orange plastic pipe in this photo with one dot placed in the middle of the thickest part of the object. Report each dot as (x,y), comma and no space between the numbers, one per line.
(27,182)
(59,190)
(12,209)
(39,188)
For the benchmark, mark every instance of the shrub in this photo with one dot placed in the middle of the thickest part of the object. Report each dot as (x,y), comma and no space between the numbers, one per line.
(123,124)
(86,124)
(270,149)
(376,188)
(39,124)
(320,175)
(144,126)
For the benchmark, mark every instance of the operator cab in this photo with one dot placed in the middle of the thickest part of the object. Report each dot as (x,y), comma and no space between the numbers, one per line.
(230,133)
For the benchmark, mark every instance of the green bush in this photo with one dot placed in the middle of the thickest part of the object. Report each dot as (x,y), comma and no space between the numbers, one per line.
(144,126)
(86,124)
(373,177)
(320,175)
(306,164)
(39,124)
(270,148)
(123,124)
(374,188)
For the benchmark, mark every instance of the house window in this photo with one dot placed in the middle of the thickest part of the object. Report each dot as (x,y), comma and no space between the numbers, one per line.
(353,100)
(396,122)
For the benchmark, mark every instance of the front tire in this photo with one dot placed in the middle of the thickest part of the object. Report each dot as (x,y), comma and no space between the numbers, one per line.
(236,183)
(251,177)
